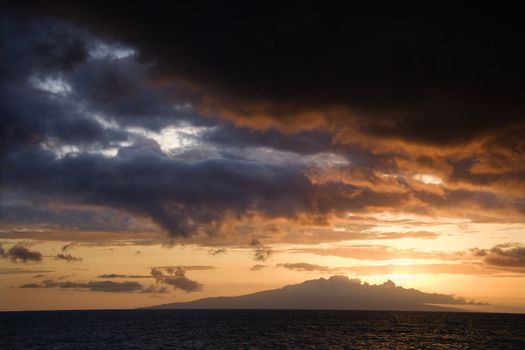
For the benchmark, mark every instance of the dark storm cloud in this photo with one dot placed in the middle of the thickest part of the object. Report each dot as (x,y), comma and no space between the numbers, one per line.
(37,120)
(35,53)
(499,164)
(186,196)
(86,83)
(119,88)
(20,253)
(465,197)
(308,142)
(431,75)
(53,86)
(31,210)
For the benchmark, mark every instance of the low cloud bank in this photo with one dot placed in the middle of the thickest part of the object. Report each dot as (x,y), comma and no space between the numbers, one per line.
(98,286)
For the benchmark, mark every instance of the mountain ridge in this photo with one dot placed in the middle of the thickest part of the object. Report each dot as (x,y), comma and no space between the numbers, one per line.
(334,293)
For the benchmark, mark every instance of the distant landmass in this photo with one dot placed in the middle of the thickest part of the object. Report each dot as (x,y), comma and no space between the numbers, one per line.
(334,293)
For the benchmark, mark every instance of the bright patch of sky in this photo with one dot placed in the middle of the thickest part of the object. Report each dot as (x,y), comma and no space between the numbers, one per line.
(172,139)
(102,50)
(183,107)
(50,84)
(327,160)
(428,179)
(409,217)
(62,151)
(106,123)
(273,156)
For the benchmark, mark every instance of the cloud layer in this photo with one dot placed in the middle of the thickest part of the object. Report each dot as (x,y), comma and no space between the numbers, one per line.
(302,133)
(98,286)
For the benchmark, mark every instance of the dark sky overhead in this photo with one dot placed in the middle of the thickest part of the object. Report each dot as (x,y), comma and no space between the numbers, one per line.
(386,69)
(288,132)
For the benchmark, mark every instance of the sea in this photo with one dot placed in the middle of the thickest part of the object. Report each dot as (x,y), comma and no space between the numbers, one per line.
(259,329)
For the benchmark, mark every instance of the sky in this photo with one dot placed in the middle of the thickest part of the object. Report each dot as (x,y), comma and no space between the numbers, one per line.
(157,153)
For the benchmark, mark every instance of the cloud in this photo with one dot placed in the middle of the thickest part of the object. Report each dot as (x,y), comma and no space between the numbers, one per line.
(66,247)
(305,267)
(197,267)
(156,272)
(127,136)
(102,286)
(87,237)
(182,282)
(19,253)
(258,267)
(189,209)
(97,286)
(152,289)
(507,256)
(67,257)
(400,235)
(347,54)
(115,275)
(16,271)
(462,268)
(473,268)
(176,277)
(104,86)
(173,269)
(218,251)
(260,252)
(304,143)
(378,252)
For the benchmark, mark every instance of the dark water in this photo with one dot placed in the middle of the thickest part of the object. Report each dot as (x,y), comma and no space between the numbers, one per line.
(252,329)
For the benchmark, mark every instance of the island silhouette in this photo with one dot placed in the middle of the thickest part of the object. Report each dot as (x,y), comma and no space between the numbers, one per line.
(334,293)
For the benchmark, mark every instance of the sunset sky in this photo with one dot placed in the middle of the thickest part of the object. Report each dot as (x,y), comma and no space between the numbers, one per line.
(154,153)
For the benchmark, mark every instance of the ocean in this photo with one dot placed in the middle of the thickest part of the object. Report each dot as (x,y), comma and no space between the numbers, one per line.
(259,329)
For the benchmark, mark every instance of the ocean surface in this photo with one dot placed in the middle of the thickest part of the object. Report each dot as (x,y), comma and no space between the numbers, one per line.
(259,329)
